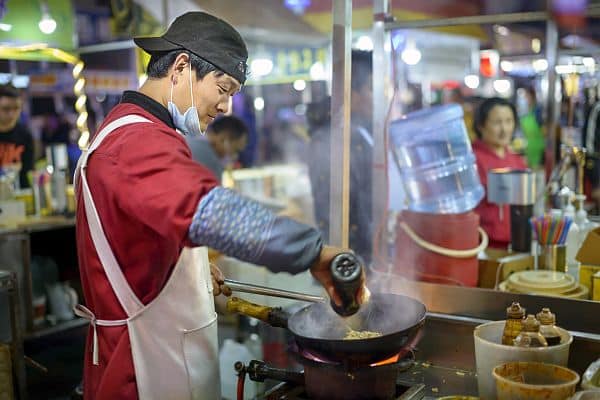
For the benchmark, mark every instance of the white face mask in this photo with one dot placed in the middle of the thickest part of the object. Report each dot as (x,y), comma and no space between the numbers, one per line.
(188,123)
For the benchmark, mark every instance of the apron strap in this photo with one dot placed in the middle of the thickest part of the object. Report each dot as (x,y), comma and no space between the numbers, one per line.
(127,298)
(84,312)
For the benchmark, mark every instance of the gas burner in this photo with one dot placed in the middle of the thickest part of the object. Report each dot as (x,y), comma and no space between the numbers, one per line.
(405,357)
(323,380)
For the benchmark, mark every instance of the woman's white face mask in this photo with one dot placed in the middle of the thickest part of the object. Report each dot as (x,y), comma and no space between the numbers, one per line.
(188,123)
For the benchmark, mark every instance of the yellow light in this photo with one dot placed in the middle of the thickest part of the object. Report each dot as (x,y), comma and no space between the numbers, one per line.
(80,103)
(536,45)
(77,69)
(83,139)
(81,119)
(79,86)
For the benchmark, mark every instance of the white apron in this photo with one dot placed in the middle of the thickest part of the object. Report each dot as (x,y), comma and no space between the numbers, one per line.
(174,340)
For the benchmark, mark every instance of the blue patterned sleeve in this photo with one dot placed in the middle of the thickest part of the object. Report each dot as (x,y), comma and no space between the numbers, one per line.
(244,229)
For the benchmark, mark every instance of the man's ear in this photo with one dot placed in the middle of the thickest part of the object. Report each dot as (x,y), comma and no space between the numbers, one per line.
(181,62)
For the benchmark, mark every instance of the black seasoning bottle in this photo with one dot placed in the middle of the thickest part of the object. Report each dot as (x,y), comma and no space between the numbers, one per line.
(548,326)
(530,336)
(514,322)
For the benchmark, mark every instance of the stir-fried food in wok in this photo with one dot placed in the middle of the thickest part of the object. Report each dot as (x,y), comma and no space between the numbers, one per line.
(353,335)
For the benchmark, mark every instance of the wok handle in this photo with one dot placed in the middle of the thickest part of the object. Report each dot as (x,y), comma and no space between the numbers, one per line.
(274,316)
(237,286)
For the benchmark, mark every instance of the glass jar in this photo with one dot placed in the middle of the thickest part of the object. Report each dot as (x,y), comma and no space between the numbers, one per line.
(548,327)
(514,320)
(530,336)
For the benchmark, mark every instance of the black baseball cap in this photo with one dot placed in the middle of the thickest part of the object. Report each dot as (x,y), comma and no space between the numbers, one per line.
(206,36)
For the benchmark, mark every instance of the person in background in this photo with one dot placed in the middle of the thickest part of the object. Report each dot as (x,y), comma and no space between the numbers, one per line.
(495,123)
(361,160)
(530,121)
(146,213)
(225,138)
(16,142)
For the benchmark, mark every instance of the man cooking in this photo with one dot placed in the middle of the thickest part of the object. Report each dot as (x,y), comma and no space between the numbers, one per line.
(146,213)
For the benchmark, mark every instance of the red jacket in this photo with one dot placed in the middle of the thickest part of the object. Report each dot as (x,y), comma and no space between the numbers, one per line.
(146,188)
(489,214)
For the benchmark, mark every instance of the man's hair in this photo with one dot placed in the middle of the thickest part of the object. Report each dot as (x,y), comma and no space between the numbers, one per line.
(483,111)
(159,64)
(362,69)
(8,90)
(234,126)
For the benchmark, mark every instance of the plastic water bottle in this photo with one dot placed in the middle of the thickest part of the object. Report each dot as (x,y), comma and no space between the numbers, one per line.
(230,353)
(434,155)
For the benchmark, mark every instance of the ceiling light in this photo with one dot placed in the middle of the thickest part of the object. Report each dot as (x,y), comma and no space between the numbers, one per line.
(47,24)
(297,6)
(501,85)
(589,62)
(317,71)
(540,65)
(506,65)
(472,81)
(299,84)
(5,27)
(261,67)
(364,43)
(411,55)
(259,103)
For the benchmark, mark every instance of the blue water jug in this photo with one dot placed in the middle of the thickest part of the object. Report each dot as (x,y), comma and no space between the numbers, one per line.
(433,152)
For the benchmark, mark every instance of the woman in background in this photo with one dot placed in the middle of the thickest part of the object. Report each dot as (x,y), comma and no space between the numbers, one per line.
(495,123)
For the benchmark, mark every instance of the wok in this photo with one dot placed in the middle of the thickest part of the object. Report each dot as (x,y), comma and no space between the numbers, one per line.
(318,330)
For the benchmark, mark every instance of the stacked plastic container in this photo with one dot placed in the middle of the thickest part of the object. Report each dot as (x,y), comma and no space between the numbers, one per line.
(438,231)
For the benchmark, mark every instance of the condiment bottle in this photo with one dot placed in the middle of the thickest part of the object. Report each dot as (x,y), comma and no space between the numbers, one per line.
(514,319)
(547,326)
(530,336)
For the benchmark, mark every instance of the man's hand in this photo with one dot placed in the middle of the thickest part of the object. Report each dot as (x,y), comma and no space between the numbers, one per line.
(320,270)
(218,281)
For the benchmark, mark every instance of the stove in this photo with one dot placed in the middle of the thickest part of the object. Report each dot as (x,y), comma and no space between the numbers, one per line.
(323,379)
(290,391)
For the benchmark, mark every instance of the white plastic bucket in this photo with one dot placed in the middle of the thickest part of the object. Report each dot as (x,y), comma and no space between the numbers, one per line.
(490,352)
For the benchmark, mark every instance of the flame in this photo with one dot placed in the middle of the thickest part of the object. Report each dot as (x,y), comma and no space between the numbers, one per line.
(390,360)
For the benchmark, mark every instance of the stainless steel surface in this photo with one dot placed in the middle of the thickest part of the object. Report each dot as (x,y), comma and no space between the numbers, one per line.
(339,200)
(488,304)
(454,311)
(415,392)
(237,286)
(381,79)
(552,103)
(446,356)
(511,187)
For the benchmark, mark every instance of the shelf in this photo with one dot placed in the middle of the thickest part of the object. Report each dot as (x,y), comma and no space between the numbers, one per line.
(60,327)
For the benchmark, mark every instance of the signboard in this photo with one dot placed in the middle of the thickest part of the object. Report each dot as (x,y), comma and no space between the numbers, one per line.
(96,82)
(289,64)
